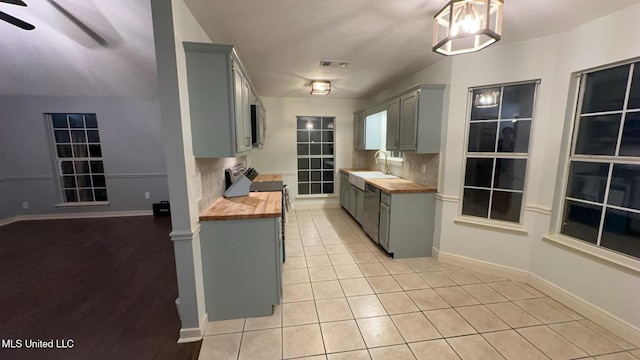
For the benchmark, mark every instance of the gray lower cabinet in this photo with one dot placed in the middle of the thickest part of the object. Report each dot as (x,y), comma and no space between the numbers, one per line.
(383,226)
(241,266)
(359,207)
(407,224)
(344,194)
(351,198)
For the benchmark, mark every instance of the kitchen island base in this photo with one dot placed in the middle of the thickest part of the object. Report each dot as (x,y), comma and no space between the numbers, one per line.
(241,266)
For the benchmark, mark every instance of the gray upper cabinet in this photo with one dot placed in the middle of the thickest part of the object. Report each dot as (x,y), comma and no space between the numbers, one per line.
(393,124)
(430,113)
(242,109)
(408,120)
(220,98)
(368,130)
(359,130)
(414,119)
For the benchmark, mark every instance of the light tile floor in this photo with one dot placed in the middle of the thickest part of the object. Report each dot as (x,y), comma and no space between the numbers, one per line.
(344,298)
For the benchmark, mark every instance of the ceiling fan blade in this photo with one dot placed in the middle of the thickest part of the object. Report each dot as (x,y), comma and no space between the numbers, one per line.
(15,21)
(14,2)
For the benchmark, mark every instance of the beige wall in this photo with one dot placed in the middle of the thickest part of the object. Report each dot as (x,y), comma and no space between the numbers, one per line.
(279,152)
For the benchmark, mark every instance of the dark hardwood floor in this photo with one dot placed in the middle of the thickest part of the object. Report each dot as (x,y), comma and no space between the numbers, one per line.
(107,284)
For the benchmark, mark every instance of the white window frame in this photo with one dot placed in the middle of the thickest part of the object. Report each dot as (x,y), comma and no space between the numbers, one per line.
(488,222)
(57,164)
(568,155)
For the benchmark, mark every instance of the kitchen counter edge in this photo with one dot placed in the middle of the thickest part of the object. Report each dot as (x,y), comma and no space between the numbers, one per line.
(257,205)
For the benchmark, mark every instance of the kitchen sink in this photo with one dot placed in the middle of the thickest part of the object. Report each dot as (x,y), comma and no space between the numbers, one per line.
(357,178)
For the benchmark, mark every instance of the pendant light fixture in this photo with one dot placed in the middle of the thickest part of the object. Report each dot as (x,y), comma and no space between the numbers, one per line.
(464,26)
(319,87)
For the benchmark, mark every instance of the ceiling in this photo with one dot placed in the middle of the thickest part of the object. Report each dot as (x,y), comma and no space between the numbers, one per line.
(282,42)
(79,48)
(105,48)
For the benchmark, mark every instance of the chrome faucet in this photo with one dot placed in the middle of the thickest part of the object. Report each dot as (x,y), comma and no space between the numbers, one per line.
(386,163)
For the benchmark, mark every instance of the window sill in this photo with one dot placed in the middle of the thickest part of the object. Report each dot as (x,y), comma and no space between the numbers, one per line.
(83,204)
(491,224)
(608,257)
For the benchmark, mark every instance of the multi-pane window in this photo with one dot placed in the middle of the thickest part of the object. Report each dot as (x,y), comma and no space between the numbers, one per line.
(497,151)
(78,157)
(315,154)
(602,197)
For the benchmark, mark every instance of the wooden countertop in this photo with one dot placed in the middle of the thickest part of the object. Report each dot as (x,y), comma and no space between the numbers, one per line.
(395,186)
(256,205)
(268,177)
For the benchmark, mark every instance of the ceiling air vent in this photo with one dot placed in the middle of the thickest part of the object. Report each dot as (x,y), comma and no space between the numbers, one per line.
(334,63)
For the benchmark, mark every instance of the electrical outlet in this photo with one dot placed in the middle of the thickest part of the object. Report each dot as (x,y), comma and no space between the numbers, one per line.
(25,205)
(424,168)
(147,195)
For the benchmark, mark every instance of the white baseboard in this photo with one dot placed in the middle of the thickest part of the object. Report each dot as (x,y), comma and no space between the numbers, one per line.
(482,266)
(194,334)
(316,203)
(611,322)
(82,215)
(599,316)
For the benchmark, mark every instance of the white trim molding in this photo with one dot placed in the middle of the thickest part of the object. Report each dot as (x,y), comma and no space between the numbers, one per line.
(82,215)
(185,235)
(483,266)
(599,316)
(491,224)
(611,322)
(447,198)
(316,203)
(136,176)
(26,178)
(538,209)
(194,334)
(608,257)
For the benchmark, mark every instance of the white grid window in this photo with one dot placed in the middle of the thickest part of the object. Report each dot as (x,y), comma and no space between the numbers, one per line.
(497,151)
(78,157)
(315,138)
(602,196)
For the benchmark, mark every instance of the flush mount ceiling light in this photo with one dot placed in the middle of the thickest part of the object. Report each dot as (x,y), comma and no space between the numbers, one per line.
(464,26)
(319,87)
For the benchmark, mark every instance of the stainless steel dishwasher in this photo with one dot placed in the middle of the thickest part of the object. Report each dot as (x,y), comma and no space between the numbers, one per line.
(371,211)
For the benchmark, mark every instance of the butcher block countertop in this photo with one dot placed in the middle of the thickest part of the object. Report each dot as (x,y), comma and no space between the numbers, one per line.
(256,205)
(268,177)
(396,186)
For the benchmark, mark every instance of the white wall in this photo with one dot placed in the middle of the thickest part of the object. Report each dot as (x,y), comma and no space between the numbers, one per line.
(173,23)
(279,152)
(553,60)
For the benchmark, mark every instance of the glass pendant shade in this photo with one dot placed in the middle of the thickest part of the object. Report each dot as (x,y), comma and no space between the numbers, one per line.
(464,26)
